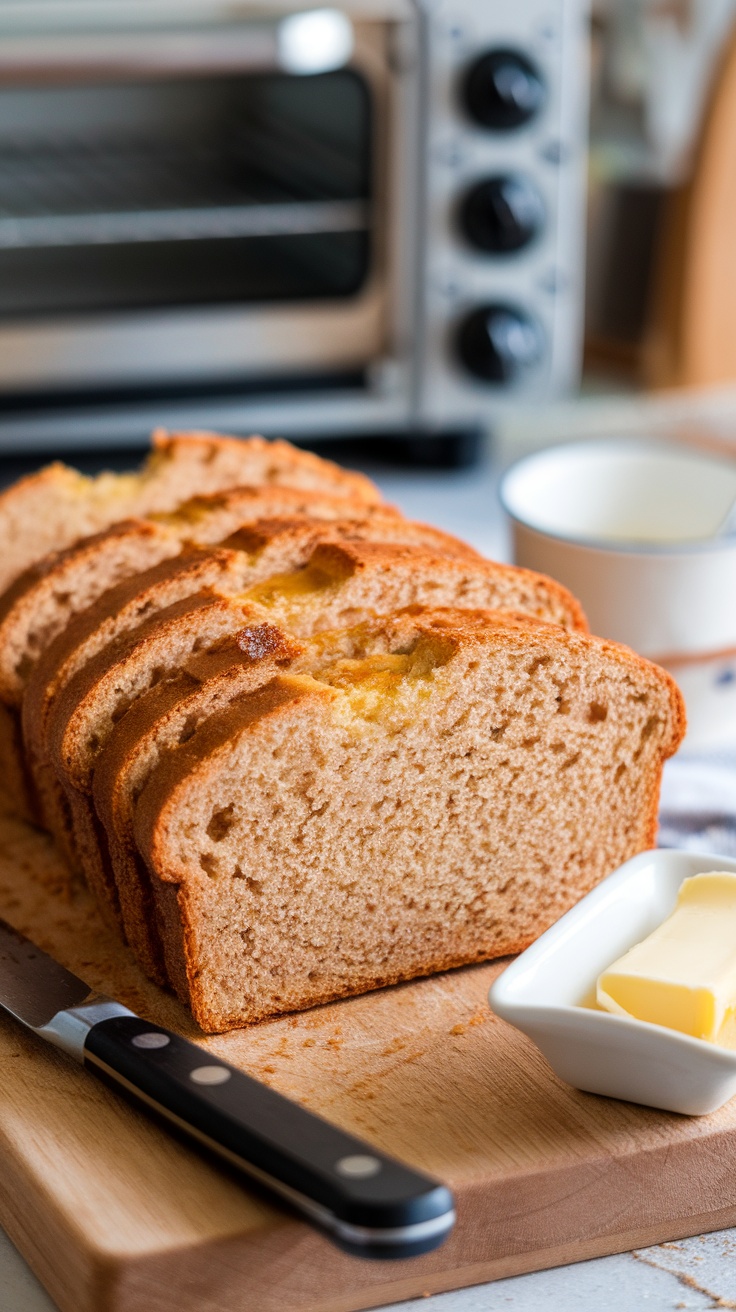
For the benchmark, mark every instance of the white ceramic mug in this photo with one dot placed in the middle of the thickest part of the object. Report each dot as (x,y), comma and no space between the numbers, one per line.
(631,527)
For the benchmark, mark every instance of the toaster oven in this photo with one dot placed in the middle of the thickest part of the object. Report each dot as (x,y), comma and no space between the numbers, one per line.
(365,219)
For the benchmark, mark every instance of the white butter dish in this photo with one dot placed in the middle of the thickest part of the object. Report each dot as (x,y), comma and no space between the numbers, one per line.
(544,992)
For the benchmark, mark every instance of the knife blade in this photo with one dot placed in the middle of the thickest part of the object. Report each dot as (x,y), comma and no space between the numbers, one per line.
(369,1203)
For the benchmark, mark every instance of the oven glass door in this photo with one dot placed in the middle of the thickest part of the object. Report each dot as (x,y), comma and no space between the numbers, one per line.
(184,191)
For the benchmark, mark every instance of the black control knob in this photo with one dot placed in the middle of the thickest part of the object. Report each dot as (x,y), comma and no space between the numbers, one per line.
(498,343)
(503,90)
(503,214)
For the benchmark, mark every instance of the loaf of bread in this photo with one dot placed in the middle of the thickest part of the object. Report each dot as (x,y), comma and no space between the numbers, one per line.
(431,790)
(300,746)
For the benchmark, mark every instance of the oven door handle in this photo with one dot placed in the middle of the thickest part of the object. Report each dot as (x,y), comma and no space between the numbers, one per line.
(310,41)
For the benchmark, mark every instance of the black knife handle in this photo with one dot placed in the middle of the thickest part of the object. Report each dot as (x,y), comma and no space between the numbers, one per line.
(369,1202)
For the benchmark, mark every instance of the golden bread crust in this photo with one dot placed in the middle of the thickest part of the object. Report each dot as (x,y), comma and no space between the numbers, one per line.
(281,461)
(376,527)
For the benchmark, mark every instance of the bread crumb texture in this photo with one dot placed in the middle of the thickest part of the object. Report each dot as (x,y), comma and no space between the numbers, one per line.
(438,799)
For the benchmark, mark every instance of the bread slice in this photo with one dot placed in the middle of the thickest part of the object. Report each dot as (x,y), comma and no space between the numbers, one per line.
(205,462)
(211,518)
(253,553)
(374,577)
(342,582)
(53,508)
(438,797)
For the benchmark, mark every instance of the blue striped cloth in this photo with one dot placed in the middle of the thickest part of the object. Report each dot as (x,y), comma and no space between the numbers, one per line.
(698,803)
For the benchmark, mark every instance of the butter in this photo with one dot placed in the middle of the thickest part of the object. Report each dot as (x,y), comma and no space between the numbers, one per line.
(683,975)
(285,587)
(381,673)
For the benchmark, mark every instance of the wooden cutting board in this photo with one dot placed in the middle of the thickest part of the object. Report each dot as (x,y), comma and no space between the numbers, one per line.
(115,1215)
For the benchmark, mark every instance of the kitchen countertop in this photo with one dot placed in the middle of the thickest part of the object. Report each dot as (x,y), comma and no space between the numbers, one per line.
(697,1273)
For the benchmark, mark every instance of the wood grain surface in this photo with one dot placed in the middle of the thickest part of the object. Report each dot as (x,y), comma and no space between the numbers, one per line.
(116,1215)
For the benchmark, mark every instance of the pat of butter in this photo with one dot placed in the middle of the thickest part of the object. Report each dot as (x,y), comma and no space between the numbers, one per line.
(684,974)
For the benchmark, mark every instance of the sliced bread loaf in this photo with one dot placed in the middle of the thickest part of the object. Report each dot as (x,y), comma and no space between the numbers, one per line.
(439,796)
(342,583)
(53,508)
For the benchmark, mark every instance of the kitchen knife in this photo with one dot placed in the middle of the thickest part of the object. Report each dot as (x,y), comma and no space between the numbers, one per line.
(369,1203)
